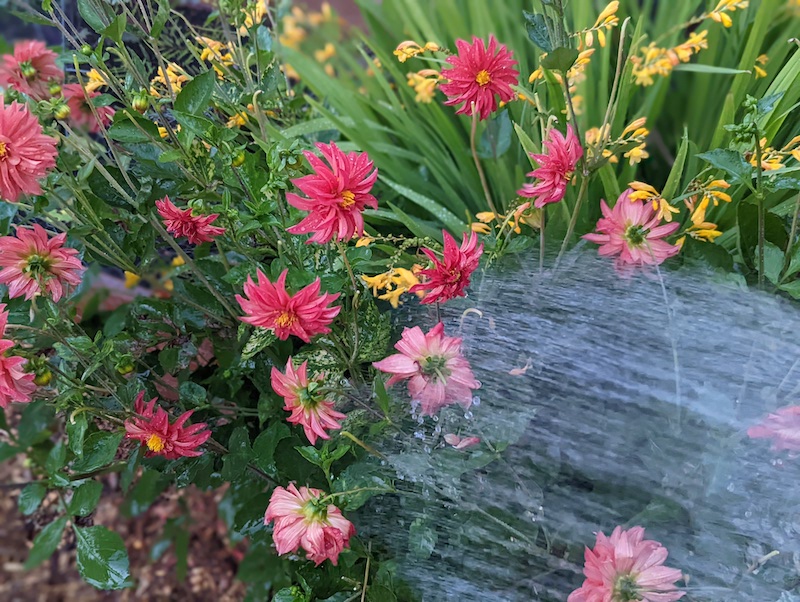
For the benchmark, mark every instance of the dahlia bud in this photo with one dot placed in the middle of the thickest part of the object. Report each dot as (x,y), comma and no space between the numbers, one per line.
(86,50)
(238,160)
(61,111)
(28,70)
(141,102)
(43,378)
(125,365)
(54,89)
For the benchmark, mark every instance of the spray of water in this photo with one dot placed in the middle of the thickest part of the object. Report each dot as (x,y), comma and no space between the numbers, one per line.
(605,401)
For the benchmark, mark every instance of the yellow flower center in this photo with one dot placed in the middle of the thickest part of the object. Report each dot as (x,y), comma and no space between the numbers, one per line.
(285,319)
(348,199)
(3,150)
(483,77)
(155,443)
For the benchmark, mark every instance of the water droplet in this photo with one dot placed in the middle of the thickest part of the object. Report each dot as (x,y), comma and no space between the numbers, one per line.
(436,419)
(438,429)
(468,415)
(476,401)
(426,449)
(748,514)
(730,487)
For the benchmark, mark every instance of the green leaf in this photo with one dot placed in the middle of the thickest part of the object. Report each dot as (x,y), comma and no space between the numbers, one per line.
(85,498)
(33,427)
(98,451)
(235,462)
(168,358)
(134,129)
(196,95)
(536,25)
(676,173)
(56,458)
(76,430)
(773,262)
(102,558)
(422,539)
(198,125)
(731,162)
(116,28)
(144,493)
(265,444)
(560,59)
(700,68)
(496,138)
(92,15)
(46,543)
(160,19)
(443,215)
(30,498)
(191,393)
(260,339)
(362,475)
(311,454)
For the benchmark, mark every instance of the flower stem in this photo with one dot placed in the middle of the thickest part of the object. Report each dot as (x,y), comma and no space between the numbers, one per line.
(573,219)
(760,205)
(356,294)
(474,149)
(792,234)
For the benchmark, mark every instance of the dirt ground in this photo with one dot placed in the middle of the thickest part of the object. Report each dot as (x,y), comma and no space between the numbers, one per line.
(212,563)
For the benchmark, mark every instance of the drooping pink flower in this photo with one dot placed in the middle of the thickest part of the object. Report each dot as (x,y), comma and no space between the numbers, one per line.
(460,443)
(303,519)
(304,314)
(477,74)
(304,400)
(15,384)
(152,427)
(631,230)
(30,69)
(26,154)
(556,167)
(626,567)
(180,222)
(336,195)
(35,264)
(80,111)
(438,374)
(449,278)
(782,427)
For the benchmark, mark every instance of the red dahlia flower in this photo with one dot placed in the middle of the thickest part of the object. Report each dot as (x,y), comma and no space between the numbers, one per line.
(180,222)
(555,168)
(336,195)
(449,278)
(478,74)
(30,69)
(151,426)
(304,314)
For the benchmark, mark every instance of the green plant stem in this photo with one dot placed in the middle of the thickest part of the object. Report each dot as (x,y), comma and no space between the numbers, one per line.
(356,294)
(541,239)
(474,149)
(573,218)
(792,233)
(760,205)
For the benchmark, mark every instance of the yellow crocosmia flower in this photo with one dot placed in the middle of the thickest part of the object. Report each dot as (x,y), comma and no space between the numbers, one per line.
(95,81)
(636,124)
(431,47)
(329,70)
(238,120)
(637,154)
(404,277)
(663,209)
(608,16)
(643,192)
(376,283)
(131,279)
(714,191)
(177,261)
(485,216)
(537,74)
(176,77)
(326,53)
(406,50)
(480,228)
(162,131)
(392,296)
(424,85)
(758,67)
(254,15)
(169,285)
(364,241)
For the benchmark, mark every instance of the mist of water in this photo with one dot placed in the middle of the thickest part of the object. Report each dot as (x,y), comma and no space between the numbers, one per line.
(605,401)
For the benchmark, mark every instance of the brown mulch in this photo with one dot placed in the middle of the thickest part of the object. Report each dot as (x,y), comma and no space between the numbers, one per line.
(212,562)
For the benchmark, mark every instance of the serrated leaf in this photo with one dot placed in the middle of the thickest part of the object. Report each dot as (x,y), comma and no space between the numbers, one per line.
(30,497)
(85,497)
(91,15)
(98,451)
(46,543)
(56,458)
(102,558)
(311,454)
(191,393)
(260,339)
(560,59)
(196,95)
(536,25)
(731,162)
(496,138)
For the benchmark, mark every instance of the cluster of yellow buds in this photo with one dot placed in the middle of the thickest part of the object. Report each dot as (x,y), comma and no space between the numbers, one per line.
(394,282)
(711,190)
(600,145)
(648,194)
(94,81)
(720,12)
(700,229)
(240,119)
(522,214)
(759,65)
(424,83)
(176,76)
(657,61)
(409,49)
(254,15)
(772,158)
(607,20)
(216,53)
(635,133)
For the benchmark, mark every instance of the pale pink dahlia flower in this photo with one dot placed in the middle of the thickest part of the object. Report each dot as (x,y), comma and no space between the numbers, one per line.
(304,314)
(782,427)
(337,195)
(477,75)
(180,222)
(631,230)
(556,167)
(30,69)
(26,153)
(151,426)
(305,401)
(15,383)
(80,111)
(626,568)
(33,264)
(303,519)
(438,374)
(449,278)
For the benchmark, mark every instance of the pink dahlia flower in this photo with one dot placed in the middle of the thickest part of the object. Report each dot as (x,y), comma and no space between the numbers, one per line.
(26,154)
(152,427)
(30,69)
(626,567)
(336,195)
(555,168)
(33,264)
(15,383)
(782,427)
(449,278)
(304,520)
(181,222)
(304,400)
(631,231)
(438,374)
(477,74)
(80,111)
(304,314)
